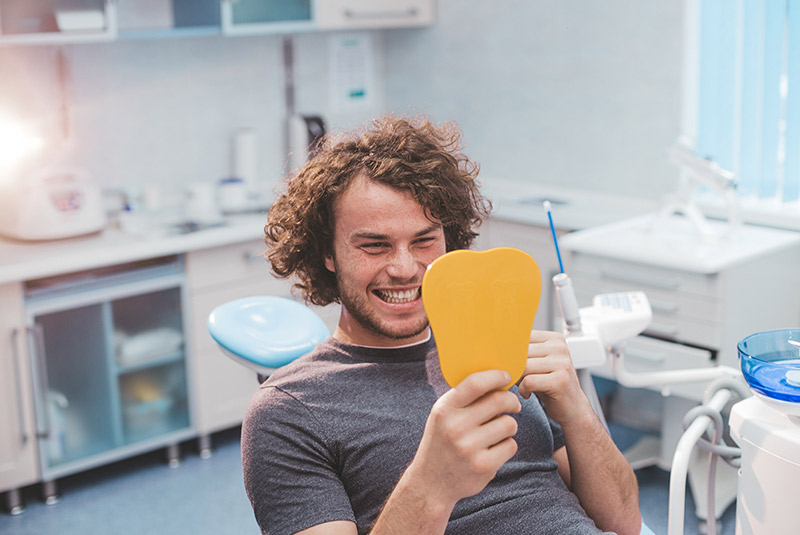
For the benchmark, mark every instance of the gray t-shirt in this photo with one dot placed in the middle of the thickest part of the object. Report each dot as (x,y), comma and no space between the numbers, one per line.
(327,438)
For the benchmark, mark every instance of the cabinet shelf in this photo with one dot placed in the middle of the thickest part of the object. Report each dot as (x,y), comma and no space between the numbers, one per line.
(150,362)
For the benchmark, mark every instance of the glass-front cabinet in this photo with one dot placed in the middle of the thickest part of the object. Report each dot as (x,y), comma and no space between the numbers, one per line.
(109,362)
(57,21)
(243,17)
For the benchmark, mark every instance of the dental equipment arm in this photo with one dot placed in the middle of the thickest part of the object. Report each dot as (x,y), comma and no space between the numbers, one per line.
(700,172)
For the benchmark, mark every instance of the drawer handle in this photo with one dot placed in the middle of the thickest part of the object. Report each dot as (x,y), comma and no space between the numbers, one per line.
(665,307)
(664,284)
(41,386)
(662,329)
(649,356)
(17,376)
(410,13)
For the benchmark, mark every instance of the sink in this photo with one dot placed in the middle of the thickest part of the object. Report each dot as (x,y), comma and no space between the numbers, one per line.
(188,227)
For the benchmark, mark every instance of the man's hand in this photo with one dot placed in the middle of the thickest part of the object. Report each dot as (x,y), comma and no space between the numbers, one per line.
(468,436)
(550,374)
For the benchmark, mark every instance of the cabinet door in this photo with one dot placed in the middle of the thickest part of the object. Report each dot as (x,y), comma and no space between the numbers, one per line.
(143,19)
(366,14)
(110,372)
(246,17)
(57,21)
(18,462)
(223,387)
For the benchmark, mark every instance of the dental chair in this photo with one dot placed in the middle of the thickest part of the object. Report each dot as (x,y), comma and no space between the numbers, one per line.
(264,333)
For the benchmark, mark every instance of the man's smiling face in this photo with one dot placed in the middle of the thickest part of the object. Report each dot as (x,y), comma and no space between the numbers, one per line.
(383,243)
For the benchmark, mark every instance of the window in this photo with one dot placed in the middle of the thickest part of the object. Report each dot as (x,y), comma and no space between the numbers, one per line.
(744,94)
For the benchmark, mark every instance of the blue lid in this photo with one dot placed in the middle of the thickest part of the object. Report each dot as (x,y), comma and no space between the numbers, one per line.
(770,362)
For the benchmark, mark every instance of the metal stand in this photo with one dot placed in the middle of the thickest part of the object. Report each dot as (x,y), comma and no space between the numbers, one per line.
(204,446)
(50,494)
(14,503)
(173,455)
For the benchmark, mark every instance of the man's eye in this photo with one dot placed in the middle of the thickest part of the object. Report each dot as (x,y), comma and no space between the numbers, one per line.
(374,247)
(426,242)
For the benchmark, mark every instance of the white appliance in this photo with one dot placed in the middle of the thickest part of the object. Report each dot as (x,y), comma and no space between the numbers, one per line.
(53,203)
(767,428)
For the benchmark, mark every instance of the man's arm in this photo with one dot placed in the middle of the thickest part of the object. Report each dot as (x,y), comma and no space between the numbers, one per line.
(467,438)
(591,464)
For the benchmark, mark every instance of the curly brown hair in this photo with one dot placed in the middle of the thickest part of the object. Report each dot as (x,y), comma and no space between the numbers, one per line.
(411,155)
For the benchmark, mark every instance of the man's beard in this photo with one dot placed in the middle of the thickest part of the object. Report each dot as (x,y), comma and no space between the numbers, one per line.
(358,307)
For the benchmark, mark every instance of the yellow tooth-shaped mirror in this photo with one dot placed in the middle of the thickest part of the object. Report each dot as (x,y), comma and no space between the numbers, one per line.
(481,306)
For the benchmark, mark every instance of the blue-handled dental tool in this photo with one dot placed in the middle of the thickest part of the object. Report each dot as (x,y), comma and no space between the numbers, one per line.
(553,230)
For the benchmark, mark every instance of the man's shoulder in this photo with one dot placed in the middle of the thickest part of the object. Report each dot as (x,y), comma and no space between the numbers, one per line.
(308,370)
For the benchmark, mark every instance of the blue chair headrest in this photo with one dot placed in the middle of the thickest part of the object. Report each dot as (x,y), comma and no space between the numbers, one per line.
(266,332)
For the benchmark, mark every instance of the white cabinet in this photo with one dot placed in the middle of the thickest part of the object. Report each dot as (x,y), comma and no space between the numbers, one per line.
(216,276)
(704,298)
(18,452)
(109,364)
(245,17)
(57,21)
(67,21)
(143,19)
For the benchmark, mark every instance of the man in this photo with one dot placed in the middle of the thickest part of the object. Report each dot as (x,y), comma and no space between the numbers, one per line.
(363,435)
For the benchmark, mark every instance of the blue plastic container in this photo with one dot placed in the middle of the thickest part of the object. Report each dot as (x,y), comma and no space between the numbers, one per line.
(771,363)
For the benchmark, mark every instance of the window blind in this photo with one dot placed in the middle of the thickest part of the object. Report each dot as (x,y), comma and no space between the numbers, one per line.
(748,101)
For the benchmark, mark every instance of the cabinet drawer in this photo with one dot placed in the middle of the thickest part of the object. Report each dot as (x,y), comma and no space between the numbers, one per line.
(208,268)
(645,278)
(677,317)
(367,14)
(647,355)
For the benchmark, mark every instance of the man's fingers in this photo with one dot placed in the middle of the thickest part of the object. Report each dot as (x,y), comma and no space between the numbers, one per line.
(497,430)
(494,403)
(475,386)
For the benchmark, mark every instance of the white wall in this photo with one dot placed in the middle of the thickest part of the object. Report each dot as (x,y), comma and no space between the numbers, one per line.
(570,92)
(576,93)
(162,111)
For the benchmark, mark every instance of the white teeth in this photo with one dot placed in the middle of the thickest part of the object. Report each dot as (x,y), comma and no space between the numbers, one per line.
(398,296)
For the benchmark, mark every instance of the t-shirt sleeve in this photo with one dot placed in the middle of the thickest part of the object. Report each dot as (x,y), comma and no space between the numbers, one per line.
(555,428)
(558,434)
(289,467)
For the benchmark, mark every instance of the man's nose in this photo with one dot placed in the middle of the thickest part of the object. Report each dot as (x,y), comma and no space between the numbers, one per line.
(403,265)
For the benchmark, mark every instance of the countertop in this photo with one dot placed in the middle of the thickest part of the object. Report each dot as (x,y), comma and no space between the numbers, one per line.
(673,242)
(572,209)
(21,261)
(512,201)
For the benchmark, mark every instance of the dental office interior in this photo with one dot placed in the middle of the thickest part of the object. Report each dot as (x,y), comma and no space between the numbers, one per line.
(648,152)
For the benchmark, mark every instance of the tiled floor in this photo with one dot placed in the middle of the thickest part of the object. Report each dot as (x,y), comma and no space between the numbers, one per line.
(142,496)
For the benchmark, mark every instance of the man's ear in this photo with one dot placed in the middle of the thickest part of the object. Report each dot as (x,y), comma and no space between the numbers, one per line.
(330,265)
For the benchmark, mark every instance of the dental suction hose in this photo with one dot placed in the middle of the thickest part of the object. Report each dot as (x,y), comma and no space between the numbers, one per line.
(696,424)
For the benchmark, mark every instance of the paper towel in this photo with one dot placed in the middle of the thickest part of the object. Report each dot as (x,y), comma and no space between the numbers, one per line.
(244,157)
